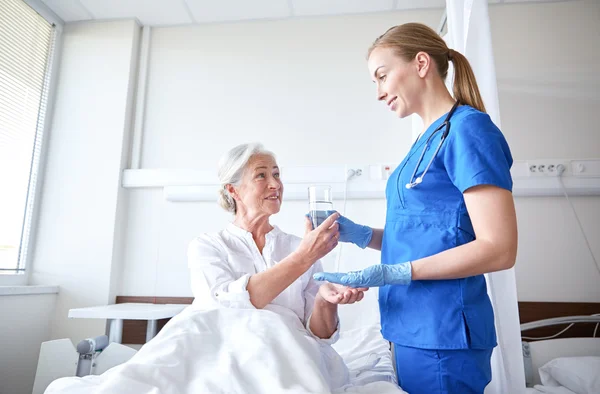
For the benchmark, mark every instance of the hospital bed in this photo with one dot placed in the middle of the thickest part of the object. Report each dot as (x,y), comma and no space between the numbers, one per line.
(561,353)
(366,353)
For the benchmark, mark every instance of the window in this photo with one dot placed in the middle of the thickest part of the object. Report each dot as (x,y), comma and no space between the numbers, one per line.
(26,49)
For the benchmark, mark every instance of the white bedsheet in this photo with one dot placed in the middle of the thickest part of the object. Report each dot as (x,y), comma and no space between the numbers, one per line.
(241,351)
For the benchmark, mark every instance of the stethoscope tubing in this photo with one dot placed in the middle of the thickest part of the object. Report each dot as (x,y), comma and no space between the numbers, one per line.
(415,181)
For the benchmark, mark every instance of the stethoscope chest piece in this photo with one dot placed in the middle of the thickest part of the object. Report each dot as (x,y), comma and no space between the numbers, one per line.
(415,183)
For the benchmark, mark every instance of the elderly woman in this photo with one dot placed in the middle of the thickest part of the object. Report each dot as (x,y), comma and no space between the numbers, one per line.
(253,264)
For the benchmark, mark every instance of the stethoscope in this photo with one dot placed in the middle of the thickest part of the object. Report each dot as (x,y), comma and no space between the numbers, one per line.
(415,181)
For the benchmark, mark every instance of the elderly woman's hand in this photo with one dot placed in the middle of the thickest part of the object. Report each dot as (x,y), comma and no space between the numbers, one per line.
(320,241)
(338,294)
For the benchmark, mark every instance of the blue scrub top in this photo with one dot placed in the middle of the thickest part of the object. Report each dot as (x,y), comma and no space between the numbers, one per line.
(432,217)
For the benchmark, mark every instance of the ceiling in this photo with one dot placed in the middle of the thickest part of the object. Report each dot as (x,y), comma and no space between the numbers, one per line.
(184,12)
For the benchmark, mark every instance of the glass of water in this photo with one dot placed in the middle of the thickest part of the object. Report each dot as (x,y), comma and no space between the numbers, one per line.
(320,203)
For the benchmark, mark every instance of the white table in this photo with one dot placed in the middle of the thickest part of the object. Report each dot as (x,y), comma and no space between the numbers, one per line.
(116,313)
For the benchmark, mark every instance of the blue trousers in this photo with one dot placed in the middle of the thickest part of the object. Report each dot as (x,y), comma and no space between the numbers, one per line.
(423,371)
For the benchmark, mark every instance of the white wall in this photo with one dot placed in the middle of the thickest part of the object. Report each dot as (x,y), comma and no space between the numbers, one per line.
(546,59)
(553,262)
(551,49)
(300,83)
(77,244)
(24,325)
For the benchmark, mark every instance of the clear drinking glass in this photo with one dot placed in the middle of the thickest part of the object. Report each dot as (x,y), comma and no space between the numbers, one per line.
(320,203)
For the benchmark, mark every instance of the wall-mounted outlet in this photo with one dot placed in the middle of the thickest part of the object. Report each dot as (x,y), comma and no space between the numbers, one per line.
(548,167)
(354,172)
(378,172)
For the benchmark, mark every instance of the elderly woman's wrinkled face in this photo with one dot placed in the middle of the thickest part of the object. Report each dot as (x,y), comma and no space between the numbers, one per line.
(261,190)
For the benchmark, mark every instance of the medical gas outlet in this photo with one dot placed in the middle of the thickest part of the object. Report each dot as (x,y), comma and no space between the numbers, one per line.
(380,172)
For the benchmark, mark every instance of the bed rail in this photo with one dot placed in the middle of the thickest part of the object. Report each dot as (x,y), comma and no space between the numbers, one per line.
(560,320)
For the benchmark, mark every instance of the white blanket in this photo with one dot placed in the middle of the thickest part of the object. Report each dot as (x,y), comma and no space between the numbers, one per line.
(226,351)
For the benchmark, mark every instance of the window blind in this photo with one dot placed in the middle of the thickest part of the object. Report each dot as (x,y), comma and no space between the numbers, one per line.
(26,48)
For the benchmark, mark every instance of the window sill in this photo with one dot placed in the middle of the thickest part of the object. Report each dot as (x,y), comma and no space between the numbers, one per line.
(27,290)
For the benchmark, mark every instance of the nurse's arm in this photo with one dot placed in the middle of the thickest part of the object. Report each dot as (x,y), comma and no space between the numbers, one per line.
(376,239)
(494,220)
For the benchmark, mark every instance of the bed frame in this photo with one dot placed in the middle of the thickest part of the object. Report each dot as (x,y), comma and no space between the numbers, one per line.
(134,331)
(530,312)
(539,320)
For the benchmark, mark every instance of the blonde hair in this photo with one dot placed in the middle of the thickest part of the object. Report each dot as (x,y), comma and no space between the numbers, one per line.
(409,39)
(231,170)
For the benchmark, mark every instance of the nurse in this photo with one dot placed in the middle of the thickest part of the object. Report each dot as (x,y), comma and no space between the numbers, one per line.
(450,219)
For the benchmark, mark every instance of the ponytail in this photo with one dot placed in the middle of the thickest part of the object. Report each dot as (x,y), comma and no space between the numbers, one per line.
(465,89)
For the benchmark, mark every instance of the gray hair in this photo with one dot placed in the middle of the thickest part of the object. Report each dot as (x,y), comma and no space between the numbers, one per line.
(231,170)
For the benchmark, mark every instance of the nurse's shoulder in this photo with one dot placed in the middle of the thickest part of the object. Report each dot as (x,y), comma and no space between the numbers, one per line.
(476,151)
(468,120)
(471,129)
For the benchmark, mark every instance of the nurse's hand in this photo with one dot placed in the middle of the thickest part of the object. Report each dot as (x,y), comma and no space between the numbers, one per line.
(320,241)
(338,294)
(373,276)
(355,233)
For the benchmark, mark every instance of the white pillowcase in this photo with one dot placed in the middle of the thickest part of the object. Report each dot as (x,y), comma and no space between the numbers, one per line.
(578,374)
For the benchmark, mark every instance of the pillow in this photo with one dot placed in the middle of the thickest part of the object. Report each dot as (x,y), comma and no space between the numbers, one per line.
(552,390)
(578,374)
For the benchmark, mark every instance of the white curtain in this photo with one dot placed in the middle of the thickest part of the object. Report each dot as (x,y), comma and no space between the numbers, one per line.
(469,33)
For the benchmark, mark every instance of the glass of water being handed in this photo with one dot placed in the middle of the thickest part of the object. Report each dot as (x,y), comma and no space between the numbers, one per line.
(320,203)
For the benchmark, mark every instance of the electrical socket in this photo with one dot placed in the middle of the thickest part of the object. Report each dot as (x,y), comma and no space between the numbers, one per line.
(547,167)
(353,173)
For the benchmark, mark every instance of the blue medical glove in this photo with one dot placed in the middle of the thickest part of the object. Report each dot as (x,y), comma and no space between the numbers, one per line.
(373,276)
(355,233)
